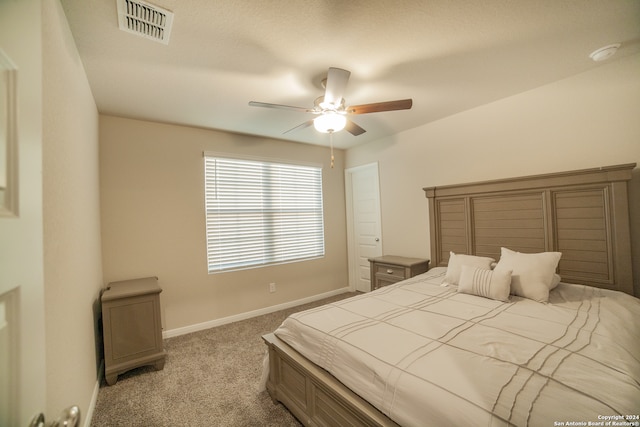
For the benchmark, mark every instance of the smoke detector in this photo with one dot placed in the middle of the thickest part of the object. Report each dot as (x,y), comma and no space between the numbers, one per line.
(145,20)
(604,52)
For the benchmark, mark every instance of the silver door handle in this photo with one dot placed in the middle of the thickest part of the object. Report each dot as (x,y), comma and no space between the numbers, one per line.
(70,417)
(377,239)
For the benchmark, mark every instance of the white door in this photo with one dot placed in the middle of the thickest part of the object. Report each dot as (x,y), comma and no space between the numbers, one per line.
(363,223)
(22,328)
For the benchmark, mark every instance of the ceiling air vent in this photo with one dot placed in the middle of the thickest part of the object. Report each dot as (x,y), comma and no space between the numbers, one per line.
(144,19)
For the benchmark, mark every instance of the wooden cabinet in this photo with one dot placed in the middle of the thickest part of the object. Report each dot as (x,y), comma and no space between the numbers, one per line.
(389,269)
(131,326)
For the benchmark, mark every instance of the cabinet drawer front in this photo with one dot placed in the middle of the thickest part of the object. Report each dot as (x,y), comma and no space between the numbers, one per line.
(382,280)
(133,330)
(390,270)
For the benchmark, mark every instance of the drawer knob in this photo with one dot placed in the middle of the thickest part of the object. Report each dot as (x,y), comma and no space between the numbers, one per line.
(389,271)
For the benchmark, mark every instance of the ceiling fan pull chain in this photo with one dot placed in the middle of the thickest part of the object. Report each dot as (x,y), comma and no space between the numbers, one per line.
(331,144)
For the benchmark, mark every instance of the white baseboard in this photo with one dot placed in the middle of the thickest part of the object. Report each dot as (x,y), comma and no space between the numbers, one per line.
(94,398)
(243,316)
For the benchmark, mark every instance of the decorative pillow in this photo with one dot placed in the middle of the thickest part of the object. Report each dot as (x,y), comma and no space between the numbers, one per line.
(456,261)
(532,274)
(485,283)
(555,281)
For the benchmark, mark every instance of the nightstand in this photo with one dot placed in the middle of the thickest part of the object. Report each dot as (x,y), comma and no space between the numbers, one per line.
(389,269)
(132,326)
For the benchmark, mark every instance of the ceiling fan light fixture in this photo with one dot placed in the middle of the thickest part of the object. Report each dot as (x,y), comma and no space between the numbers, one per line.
(329,122)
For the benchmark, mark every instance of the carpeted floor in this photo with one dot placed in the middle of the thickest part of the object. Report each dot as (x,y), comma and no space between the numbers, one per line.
(210,378)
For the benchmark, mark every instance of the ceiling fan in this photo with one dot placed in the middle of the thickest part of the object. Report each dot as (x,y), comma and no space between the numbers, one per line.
(330,108)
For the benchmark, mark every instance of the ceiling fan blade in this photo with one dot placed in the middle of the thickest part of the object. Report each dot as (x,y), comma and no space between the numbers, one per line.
(280,106)
(353,128)
(300,126)
(402,104)
(337,79)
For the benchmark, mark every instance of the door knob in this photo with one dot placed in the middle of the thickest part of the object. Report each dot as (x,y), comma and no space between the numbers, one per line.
(70,417)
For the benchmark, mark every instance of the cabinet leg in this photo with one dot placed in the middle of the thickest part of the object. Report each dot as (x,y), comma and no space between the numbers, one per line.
(272,393)
(111,379)
(159,364)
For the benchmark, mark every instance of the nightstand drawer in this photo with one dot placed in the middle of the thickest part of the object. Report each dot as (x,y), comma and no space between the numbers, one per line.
(384,280)
(391,270)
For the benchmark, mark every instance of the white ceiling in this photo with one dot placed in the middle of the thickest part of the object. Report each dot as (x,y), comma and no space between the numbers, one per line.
(448,55)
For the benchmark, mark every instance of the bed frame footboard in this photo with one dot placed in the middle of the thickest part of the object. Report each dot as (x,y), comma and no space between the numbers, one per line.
(313,395)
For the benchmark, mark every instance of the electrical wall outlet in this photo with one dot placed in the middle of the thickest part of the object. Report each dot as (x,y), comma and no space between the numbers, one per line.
(272,287)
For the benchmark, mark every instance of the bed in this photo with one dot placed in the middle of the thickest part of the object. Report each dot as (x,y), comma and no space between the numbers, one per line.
(450,347)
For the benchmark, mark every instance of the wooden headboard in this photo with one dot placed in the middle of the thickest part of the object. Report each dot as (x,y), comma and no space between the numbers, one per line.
(583,214)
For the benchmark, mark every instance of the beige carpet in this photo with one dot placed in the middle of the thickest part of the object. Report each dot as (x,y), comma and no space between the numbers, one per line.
(210,378)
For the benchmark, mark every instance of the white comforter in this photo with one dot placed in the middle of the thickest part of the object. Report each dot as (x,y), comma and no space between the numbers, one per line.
(425,355)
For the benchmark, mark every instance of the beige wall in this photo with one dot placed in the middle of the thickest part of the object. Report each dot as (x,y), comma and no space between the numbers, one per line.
(71,212)
(585,121)
(153,223)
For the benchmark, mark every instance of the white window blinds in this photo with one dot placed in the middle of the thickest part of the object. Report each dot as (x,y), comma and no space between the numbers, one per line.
(261,213)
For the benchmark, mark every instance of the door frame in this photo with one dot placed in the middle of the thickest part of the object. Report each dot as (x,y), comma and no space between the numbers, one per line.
(351,238)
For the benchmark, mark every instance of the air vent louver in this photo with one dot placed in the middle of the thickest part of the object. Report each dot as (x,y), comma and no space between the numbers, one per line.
(144,19)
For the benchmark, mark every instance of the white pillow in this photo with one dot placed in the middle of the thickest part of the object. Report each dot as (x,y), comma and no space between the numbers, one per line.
(555,281)
(532,274)
(456,261)
(485,283)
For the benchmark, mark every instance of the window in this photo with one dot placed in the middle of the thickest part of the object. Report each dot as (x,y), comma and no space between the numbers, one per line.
(261,213)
